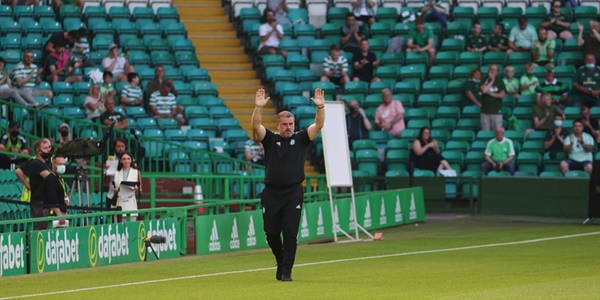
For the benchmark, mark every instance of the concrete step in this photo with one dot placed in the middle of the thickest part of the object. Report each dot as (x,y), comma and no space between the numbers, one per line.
(236,81)
(226,67)
(205,42)
(217,74)
(197,27)
(223,58)
(200,12)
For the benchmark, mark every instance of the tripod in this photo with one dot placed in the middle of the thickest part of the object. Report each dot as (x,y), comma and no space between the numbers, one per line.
(81,184)
(148,244)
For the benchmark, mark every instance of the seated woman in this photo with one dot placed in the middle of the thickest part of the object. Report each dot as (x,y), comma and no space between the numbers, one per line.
(425,153)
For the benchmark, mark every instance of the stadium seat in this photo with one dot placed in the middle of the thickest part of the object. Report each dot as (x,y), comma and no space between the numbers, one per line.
(367,161)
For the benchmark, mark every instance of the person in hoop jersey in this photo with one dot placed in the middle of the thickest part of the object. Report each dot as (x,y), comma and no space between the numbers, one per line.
(282,198)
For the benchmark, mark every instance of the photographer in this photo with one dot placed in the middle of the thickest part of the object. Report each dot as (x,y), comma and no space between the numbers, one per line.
(37,170)
(127,183)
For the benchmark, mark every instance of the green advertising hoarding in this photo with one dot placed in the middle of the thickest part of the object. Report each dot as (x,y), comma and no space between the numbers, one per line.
(12,254)
(223,233)
(100,245)
(230,232)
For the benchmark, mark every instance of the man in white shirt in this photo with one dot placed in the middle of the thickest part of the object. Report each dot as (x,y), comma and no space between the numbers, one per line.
(270,35)
(579,146)
(522,37)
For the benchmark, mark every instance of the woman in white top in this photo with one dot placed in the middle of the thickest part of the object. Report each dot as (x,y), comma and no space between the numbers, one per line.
(94,103)
(127,183)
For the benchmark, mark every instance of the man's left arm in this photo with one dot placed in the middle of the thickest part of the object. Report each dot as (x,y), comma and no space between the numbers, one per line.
(319,101)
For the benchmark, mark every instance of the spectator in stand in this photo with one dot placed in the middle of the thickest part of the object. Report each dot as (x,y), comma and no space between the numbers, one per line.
(521,37)
(579,145)
(280,9)
(476,41)
(155,83)
(335,67)
(511,84)
(389,115)
(528,80)
(555,137)
(107,88)
(254,152)
(542,51)
(493,92)
(110,117)
(425,153)
(64,38)
(350,35)
(364,11)
(64,134)
(25,77)
(472,89)
(271,34)
(57,66)
(570,3)
(357,123)
(7,91)
(420,39)
(364,63)
(94,103)
(163,104)
(591,125)
(558,24)
(543,113)
(499,40)
(436,11)
(591,41)
(587,82)
(13,142)
(558,91)
(132,94)
(116,64)
(56,4)
(81,49)
(499,154)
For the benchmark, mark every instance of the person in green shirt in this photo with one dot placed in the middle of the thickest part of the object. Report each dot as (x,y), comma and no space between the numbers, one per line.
(558,24)
(511,84)
(472,88)
(542,50)
(587,82)
(499,154)
(528,81)
(499,40)
(476,41)
(493,92)
(420,39)
(557,90)
(543,113)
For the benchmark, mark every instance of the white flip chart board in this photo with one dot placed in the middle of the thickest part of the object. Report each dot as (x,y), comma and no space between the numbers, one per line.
(335,145)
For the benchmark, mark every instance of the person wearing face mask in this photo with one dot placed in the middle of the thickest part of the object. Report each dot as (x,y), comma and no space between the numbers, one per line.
(472,89)
(587,82)
(555,137)
(64,134)
(282,198)
(37,169)
(12,142)
(56,198)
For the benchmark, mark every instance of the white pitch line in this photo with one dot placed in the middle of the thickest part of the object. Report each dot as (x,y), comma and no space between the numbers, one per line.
(570,236)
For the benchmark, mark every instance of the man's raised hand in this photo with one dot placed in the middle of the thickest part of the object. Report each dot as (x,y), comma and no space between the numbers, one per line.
(319,99)
(260,100)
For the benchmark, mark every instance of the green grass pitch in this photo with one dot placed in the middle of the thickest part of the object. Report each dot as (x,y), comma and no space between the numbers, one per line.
(465,258)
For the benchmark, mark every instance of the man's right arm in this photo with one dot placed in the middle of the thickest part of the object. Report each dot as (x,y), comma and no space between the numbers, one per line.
(256,121)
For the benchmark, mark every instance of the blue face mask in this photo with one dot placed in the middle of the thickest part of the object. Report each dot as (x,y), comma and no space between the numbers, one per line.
(61,169)
(590,66)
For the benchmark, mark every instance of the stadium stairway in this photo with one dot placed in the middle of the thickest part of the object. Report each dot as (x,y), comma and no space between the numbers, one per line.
(220,52)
